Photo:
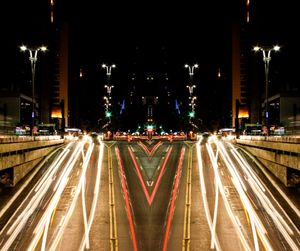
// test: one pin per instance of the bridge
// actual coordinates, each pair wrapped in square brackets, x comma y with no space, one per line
[280,154]
[19,155]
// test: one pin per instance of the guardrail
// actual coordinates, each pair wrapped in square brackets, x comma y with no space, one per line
[19,155]
[279,154]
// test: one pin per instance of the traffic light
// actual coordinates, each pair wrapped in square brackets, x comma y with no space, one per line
[149,128]
[192,114]
[107,114]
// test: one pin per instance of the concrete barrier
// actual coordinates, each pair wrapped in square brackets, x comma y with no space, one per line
[281,155]
[19,155]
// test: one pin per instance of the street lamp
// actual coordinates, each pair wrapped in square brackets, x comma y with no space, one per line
[33,52]
[108,90]
[266,51]
[191,69]
[107,103]
[192,104]
[191,88]
[108,70]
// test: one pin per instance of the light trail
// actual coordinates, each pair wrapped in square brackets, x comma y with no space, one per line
[265,200]
[82,187]
[78,189]
[112,207]
[173,199]
[154,148]
[148,197]
[127,203]
[271,179]
[241,189]
[188,201]
[96,195]
[39,230]
[40,190]
[204,196]
[32,204]
[228,208]
[61,155]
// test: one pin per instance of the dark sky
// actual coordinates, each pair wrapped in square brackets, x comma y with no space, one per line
[183,29]
[128,31]
[164,35]
[154,37]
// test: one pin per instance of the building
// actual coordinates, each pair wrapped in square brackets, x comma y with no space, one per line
[59,43]
[243,109]
[48,27]
[284,111]
[15,110]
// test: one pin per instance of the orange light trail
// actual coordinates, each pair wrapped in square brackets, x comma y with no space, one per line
[150,198]
[127,204]
[172,207]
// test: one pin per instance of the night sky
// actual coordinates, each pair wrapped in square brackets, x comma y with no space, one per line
[154,37]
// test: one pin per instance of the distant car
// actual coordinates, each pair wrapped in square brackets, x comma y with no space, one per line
[46,130]
[205,134]
[94,135]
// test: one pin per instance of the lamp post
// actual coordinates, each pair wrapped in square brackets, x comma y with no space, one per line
[108,87]
[266,52]
[107,104]
[192,104]
[191,87]
[191,70]
[33,52]
[108,70]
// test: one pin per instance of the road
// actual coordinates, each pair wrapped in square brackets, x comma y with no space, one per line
[149,195]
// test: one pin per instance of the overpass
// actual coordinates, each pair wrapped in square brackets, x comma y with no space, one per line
[280,154]
[18,155]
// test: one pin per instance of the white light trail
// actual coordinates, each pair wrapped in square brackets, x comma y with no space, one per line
[265,200]
[204,196]
[241,189]
[28,180]
[225,199]
[64,178]
[30,208]
[96,192]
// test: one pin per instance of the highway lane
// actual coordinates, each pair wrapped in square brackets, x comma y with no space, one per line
[77,233]
[271,227]
[272,208]
[219,204]
[152,171]
[42,219]
[28,221]
[13,196]
[151,195]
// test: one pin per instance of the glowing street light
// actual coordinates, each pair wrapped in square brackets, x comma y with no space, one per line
[191,88]
[108,114]
[33,52]
[191,69]
[266,51]
[107,103]
[108,70]
[192,103]
[192,114]
[108,87]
